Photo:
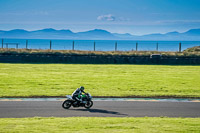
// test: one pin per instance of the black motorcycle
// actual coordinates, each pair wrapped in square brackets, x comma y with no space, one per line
[86,102]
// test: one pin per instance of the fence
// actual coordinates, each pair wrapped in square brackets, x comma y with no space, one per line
[99,45]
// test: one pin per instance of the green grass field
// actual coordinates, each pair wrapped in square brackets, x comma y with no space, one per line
[99,80]
[100,125]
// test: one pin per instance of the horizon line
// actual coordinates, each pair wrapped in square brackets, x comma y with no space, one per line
[96,29]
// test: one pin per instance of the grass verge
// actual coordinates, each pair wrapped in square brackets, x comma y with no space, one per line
[190,52]
[100,124]
[25,80]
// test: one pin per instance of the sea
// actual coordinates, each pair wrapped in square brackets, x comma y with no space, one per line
[98,45]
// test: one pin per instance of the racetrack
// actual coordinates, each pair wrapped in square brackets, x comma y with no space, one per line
[18,109]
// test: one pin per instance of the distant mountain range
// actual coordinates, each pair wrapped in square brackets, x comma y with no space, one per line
[98,34]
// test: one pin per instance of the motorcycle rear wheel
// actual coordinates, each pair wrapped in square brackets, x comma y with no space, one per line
[66,104]
[88,104]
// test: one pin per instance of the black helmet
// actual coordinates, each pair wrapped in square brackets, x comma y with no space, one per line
[82,88]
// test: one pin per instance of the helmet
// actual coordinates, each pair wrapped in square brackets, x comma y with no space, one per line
[82,88]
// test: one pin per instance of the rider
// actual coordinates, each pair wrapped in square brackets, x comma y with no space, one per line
[77,94]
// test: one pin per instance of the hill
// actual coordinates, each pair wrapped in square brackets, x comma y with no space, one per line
[98,34]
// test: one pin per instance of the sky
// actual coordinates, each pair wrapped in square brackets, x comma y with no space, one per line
[137,17]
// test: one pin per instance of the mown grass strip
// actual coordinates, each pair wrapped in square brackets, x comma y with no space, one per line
[100,124]
[100,80]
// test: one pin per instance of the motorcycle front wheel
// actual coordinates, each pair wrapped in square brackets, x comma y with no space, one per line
[66,104]
[88,104]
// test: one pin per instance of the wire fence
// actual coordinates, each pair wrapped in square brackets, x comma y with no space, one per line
[98,45]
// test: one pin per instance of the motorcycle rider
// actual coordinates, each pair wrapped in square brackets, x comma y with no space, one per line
[77,94]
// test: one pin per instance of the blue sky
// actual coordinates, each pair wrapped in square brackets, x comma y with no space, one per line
[137,17]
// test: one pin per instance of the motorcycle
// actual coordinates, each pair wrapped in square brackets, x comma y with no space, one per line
[86,102]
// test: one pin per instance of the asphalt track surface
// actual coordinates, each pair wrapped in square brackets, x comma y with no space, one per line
[19,109]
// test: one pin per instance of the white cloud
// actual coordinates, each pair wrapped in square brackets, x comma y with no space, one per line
[23,13]
[178,21]
[108,17]
[43,13]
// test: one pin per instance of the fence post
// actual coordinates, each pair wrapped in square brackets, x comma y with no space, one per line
[94,46]
[6,45]
[26,44]
[73,45]
[180,47]
[16,45]
[50,44]
[115,46]
[2,44]
[157,47]
[136,46]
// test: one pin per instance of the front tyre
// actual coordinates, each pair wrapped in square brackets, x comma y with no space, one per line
[66,104]
[88,104]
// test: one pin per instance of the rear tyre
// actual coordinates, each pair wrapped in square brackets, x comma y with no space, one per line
[88,104]
[66,104]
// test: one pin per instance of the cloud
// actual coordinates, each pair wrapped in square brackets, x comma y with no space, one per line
[108,17]
[23,13]
[179,21]
[43,13]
